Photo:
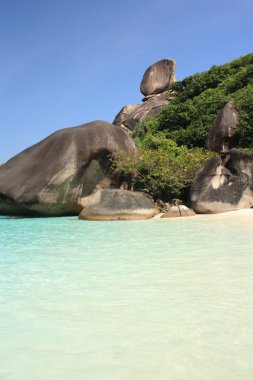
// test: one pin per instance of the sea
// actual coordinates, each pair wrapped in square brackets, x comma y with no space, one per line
[161,299]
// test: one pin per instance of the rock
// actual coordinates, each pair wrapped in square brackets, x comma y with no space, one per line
[157,77]
[221,135]
[132,114]
[158,216]
[114,204]
[220,187]
[177,211]
[49,177]
[154,87]
[123,115]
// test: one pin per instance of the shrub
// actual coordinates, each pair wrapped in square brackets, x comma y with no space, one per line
[160,167]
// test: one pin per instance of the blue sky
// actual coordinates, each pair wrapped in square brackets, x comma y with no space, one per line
[65,63]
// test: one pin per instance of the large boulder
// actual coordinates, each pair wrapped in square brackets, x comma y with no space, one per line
[132,114]
[222,186]
[221,135]
[157,77]
[114,204]
[51,176]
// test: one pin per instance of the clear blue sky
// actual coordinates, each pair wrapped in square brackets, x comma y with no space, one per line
[64,63]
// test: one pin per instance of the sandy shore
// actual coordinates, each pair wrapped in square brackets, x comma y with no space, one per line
[243,212]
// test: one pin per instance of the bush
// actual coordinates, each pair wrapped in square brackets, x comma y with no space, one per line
[160,167]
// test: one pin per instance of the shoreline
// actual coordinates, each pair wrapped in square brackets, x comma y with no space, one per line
[241,212]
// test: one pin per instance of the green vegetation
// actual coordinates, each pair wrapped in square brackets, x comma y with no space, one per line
[188,118]
[172,144]
[160,167]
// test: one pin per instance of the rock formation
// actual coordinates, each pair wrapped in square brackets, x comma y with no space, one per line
[225,183]
[157,77]
[178,211]
[49,177]
[154,86]
[221,135]
[114,204]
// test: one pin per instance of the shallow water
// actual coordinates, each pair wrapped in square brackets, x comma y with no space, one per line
[143,300]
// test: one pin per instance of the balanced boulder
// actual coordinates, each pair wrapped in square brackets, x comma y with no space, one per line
[157,77]
[114,204]
[154,87]
[51,176]
[224,185]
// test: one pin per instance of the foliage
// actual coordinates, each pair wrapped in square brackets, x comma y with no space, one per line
[171,144]
[188,118]
[160,167]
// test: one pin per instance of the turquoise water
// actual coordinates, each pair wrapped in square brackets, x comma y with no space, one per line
[143,300]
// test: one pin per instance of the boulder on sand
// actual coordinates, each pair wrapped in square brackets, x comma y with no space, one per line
[114,204]
[177,211]
[224,185]
[49,177]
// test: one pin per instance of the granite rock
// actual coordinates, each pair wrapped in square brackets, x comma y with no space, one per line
[49,177]
[178,211]
[224,185]
[157,77]
[114,204]
[132,114]
[221,135]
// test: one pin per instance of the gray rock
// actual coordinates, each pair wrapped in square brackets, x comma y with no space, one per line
[222,186]
[132,114]
[220,137]
[157,77]
[121,119]
[49,177]
[177,211]
[114,204]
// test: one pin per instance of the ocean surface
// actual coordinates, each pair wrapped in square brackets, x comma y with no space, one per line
[126,300]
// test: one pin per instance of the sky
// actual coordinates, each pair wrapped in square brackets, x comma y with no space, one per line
[65,63]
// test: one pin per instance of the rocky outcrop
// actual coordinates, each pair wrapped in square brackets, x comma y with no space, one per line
[220,187]
[154,86]
[114,204]
[132,114]
[157,77]
[225,183]
[49,177]
[178,211]
[221,135]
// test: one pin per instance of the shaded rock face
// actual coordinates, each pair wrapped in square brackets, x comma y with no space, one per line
[114,204]
[154,86]
[157,77]
[178,211]
[49,177]
[224,186]
[132,114]
[221,135]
